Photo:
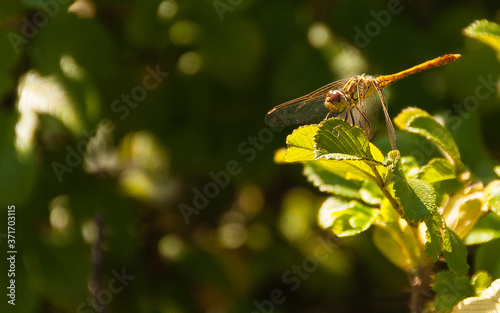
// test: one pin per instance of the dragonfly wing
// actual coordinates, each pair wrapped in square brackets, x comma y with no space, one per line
[308,109]
[390,128]
[305,112]
[365,114]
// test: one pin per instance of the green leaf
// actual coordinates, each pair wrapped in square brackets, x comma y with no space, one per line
[336,137]
[417,121]
[486,32]
[481,281]
[496,169]
[332,181]
[409,164]
[494,204]
[450,290]
[463,209]
[345,218]
[336,140]
[455,253]
[300,144]
[493,193]
[371,193]
[417,198]
[397,243]
[434,243]
[437,169]
[486,258]
[486,229]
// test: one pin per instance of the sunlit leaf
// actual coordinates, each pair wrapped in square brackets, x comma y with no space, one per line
[335,136]
[437,170]
[409,165]
[321,175]
[485,230]
[397,243]
[463,209]
[371,193]
[496,169]
[481,281]
[492,192]
[417,121]
[345,218]
[300,144]
[486,32]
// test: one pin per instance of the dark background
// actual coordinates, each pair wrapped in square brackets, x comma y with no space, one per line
[63,73]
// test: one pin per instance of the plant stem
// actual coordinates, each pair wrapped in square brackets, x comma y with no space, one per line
[420,280]
[383,187]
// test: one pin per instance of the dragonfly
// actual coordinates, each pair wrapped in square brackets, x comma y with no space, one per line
[355,99]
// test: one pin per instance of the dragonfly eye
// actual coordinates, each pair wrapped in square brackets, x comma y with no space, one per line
[333,96]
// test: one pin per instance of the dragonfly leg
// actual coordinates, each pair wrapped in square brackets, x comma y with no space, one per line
[369,127]
[347,115]
[329,115]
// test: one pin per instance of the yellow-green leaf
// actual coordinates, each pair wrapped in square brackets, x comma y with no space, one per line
[346,218]
[417,121]
[486,32]
[300,144]
[437,169]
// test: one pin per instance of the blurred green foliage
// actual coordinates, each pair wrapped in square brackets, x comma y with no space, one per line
[127,109]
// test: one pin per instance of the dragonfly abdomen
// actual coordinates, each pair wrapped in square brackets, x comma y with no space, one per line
[385,80]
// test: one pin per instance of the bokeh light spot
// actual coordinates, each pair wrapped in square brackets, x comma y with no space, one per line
[348,62]
[70,67]
[60,216]
[232,235]
[89,231]
[318,35]
[190,63]
[167,9]
[183,33]
[171,247]
[250,200]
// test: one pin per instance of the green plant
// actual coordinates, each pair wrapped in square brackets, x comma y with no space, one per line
[421,214]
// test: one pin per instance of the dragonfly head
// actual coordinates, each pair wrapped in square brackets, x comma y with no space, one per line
[335,101]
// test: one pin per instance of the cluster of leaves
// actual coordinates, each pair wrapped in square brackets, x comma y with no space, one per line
[421,214]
